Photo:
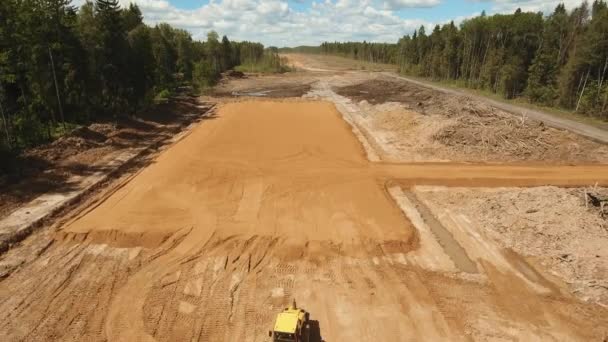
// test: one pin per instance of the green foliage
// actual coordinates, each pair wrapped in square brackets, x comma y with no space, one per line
[487,52]
[60,66]
[204,74]
[62,129]
[301,49]
[583,78]
[561,59]
[270,62]
[163,96]
[368,52]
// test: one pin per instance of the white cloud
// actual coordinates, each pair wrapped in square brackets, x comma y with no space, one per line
[545,6]
[273,22]
[399,4]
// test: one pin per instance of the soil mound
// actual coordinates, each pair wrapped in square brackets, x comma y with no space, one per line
[460,128]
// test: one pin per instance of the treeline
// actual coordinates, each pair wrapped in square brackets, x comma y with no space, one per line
[269,61]
[60,65]
[363,51]
[367,52]
[557,60]
[301,49]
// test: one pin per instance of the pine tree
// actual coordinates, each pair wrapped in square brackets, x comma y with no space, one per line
[165,56]
[8,75]
[544,71]
[226,54]
[112,63]
[132,17]
[141,66]
[185,54]
[592,57]
[59,64]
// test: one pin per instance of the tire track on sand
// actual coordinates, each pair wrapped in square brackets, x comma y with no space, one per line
[126,322]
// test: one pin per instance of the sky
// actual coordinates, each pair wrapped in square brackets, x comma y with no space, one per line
[302,22]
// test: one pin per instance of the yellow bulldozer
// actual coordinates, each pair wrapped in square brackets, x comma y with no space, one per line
[291,325]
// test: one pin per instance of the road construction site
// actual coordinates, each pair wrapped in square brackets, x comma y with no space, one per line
[388,210]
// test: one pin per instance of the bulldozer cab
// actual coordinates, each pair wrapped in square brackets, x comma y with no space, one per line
[284,337]
[290,325]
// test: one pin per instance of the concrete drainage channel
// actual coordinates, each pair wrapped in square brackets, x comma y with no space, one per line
[24,221]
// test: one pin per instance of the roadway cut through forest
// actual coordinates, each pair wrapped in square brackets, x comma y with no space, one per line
[273,200]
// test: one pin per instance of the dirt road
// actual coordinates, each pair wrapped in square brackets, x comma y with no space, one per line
[328,64]
[551,120]
[273,200]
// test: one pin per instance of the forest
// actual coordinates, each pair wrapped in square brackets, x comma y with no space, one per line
[370,52]
[61,65]
[554,60]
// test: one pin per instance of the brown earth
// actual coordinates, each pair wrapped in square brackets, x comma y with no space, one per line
[332,64]
[428,125]
[49,167]
[256,85]
[275,200]
[268,201]
[285,151]
[551,226]
[380,91]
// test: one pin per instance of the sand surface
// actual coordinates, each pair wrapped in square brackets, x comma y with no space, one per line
[268,201]
[291,170]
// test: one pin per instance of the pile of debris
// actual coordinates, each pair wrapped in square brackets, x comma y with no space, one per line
[48,167]
[474,131]
[79,140]
[233,74]
[379,91]
[495,135]
[597,198]
[550,225]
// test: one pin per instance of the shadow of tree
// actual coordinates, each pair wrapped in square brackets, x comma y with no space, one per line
[24,176]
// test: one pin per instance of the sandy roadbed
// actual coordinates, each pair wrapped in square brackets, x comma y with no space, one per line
[274,200]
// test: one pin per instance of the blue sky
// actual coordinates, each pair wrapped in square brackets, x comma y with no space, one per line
[445,11]
[304,22]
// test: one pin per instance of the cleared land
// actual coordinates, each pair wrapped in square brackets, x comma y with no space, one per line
[54,167]
[427,125]
[270,200]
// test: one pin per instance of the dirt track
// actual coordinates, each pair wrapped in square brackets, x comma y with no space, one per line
[272,200]
[595,133]
[269,201]
[261,168]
